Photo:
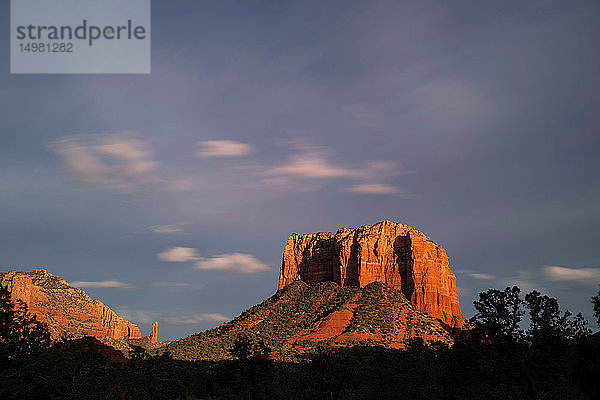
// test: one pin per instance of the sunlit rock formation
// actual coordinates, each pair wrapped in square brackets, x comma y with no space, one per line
[388,252]
[68,311]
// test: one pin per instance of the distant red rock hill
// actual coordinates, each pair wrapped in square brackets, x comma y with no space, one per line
[388,252]
[69,312]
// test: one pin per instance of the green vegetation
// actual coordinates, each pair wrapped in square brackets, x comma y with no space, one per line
[283,315]
[379,312]
[21,335]
[468,370]
[299,306]
[596,303]
[555,358]
[499,314]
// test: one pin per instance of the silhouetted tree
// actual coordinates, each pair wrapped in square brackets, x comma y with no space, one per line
[499,312]
[138,353]
[21,335]
[544,315]
[415,344]
[596,303]
[244,349]
[260,351]
[577,328]
[241,349]
[547,321]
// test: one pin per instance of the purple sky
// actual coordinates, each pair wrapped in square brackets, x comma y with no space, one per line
[170,196]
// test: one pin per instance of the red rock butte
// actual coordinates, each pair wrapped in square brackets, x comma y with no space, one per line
[388,252]
[66,310]
[154,333]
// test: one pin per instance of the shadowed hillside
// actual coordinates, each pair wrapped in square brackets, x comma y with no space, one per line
[301,319]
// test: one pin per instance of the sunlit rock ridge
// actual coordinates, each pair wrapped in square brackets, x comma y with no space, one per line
[388,252]
[68,311]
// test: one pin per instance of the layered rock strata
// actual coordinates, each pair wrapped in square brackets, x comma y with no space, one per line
[388,252]
[69,312]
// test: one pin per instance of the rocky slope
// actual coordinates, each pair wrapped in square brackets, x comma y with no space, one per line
[301,319]
[388,252]
[68,311]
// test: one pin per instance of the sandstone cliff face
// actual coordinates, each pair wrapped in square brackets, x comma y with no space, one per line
[154,333]
[396,254]
[66,310]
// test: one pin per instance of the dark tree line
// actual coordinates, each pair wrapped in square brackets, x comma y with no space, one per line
[21,335]
[553,357]
[500,314]
[244,349]
[596,303]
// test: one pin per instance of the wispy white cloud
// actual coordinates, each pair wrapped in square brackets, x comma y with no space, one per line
[165,228]
[101,284]
[176,286]
[122,160]
[313,163]
[544,279]
[170,284]
[179,254]
[481,276]
[236,262]
[583,275]
[376,171]
[173,317]
[137,316]
[223,148]
[525,280]
[192,319]
[374,188]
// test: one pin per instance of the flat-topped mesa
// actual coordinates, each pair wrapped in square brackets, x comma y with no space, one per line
[396,254]
[68,311]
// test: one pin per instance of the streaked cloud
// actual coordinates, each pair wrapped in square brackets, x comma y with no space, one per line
[165,228]
[101,284]
[313,166]
[524,279]
[584,275]
[192,319]
[481,276]
[236,262]
[179,254]
[176,286]
[170,284]
[223,148]
[374,188]
[173,317]
[137,316]
[122,159]
[313,163]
